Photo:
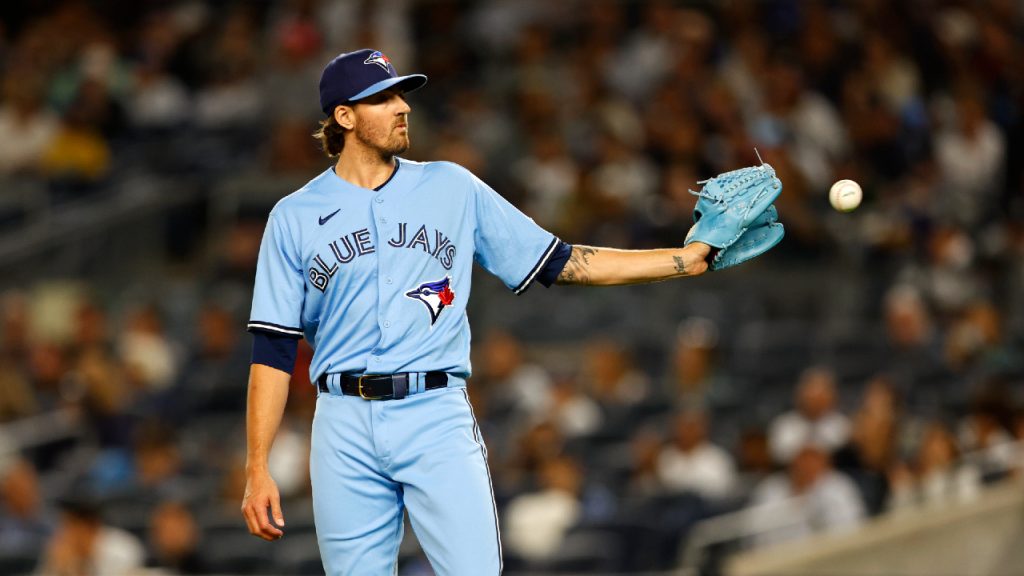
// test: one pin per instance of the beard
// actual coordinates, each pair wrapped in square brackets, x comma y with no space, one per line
[385,142]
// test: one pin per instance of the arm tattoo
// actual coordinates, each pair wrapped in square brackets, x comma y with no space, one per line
[680,265]
[577,269]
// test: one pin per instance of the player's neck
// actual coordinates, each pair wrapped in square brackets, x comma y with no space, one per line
[363,167]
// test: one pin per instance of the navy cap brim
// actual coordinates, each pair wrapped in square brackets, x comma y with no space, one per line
[406,83]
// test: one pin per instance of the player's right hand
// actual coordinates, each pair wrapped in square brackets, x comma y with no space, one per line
[261,495]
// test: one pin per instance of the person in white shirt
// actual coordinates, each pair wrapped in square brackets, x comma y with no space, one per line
[84,546]
[691,463]
[815,420]
[536,522]
[809,498]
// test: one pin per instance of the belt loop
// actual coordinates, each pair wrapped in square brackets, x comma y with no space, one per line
[400,386]
[334,384]
[416,382]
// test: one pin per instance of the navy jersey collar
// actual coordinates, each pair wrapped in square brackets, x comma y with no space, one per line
[398,164]
[332,173]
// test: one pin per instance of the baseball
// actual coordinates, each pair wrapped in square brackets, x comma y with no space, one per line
[845,195]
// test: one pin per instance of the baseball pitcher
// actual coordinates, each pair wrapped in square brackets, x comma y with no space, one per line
[370,262]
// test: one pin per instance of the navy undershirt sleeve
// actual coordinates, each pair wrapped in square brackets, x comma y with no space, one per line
[555,264]
[274,350]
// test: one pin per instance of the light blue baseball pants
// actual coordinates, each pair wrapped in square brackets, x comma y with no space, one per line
[372,459]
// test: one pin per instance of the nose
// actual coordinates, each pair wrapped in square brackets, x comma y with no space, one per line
[403,106]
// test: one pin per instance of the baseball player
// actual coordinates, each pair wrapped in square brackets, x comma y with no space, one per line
[371,263]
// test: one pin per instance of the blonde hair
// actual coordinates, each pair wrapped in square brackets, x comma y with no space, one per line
[331,136]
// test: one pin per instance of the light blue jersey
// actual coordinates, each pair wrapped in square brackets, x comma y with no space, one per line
[378,280]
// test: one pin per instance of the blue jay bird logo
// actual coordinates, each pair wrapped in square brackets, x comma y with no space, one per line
[434,295]
[379,59]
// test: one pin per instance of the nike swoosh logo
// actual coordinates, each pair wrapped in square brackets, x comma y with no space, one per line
[324,219]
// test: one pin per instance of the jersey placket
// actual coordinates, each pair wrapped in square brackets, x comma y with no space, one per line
[379,209]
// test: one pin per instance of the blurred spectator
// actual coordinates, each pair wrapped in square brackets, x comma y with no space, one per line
[218,354]
[645,448]
[647,56]
[697,380]
[149,358]
[610,376]
[174,539]
[974,341]
[535,523]
[99,385]
[984,434]
[816,419]
[292,152]
[803,122]
[159,99]
[84,545]
[158,460]
[871,451]
[691,463]
[26,126]
[18,399]
[231,96]
[807,499]
[753,459]
[26,520]
[295,46]
[574,412]
[970,153]
[912,337]
[537,446]
[511,383]
[78,151]
[935,477]
[549,178]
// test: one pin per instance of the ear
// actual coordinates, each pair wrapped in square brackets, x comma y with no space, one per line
[344,116]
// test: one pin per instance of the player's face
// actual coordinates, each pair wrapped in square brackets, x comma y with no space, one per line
[382,123]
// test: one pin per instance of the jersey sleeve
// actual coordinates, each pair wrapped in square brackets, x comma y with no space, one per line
[509,244]
[279,293]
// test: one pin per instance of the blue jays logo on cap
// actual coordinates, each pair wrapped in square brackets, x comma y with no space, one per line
[379,59]
[436,296]
[356,75]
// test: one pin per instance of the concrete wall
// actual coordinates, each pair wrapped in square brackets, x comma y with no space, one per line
[982,538]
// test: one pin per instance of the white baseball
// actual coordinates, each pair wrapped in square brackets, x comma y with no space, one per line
[845,195]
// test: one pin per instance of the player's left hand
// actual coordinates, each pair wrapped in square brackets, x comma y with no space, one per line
[261,495]
[695,258]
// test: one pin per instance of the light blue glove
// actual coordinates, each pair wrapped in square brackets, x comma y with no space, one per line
[763,234]
[732,203]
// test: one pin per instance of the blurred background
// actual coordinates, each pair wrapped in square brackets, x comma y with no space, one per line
[864,376]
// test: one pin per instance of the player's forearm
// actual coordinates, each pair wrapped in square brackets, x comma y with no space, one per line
[592,266]
[268,394]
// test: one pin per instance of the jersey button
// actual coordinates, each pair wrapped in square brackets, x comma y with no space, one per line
[387,324]
[383,220]
[380,200]
[387,280]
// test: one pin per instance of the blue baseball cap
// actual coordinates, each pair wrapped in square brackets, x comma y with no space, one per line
[355,75]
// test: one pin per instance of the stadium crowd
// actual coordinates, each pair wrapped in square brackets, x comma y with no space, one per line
[596,118]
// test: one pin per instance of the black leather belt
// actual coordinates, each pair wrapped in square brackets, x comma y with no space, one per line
[382,386]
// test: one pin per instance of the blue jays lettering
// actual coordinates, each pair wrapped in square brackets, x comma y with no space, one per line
[359,243]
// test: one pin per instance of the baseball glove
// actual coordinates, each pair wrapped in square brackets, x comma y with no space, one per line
[728,206]
[764,233]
